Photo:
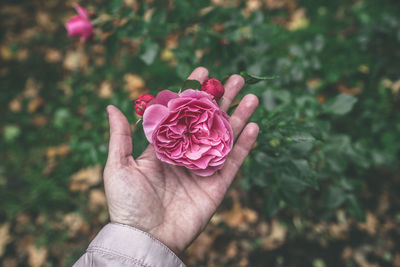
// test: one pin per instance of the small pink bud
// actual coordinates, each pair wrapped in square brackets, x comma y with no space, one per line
[213,87]
[80,25]
[141,103]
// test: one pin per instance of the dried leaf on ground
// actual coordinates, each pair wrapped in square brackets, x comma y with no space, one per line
[226,3]
[106,90]
[276,236]
[201,246]
[39,120]
[75,60]
[275,4]
[134,85]
[345,89]
[298,20]
[74,223]
[172,41]
[36,255]
[32,88]
[338,230]
[60,151]
[52,55]
[232,250]
[371,224]
[5,237]
[238,216]
[15,105]
[97,200]
[85,178]
[34,104]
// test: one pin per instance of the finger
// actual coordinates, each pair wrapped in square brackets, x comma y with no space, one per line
[243,113]
[239,153]
[120,146]
[232,88]
[199,74]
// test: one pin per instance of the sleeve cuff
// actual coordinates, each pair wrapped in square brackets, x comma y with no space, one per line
[134,244]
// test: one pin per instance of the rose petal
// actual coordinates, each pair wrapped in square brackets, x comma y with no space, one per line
[152,117]
[164,97]
[81,11]
[207,172]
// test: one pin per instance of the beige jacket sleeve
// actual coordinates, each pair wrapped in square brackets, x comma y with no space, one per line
[121,245]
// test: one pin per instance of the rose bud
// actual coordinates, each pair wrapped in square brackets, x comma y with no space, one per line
[80,25]
[141,103]
[213,87]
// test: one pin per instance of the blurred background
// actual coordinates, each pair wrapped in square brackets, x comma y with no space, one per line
[321,186]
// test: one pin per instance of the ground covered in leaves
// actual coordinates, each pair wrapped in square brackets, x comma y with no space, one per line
[321,187]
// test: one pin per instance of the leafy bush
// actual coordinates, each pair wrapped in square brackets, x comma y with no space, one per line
[329,121]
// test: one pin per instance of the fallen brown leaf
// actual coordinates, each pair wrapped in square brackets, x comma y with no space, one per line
[106,90]
[34,104]
[60,151]
[97,200]
[134,85]
[15,104]
[275,4]
[36,255]
[52,55]
[371,224]
[344,89]
[5,237]
[85,178]
[347,253]
[172,41]
[5,52]
[314,83]
[226,3]
[39,120]
[232,250]
[201,246]
[75,60]
[32,88]
[74,223]
[298,20]
[338,230]
[276,237]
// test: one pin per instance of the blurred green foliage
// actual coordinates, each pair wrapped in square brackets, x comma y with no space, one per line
[327,123]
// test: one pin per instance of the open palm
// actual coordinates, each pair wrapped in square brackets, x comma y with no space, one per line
[169,202]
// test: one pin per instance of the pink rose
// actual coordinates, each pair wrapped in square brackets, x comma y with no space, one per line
[80,25]
[213,87]
[141,103]
[188,129]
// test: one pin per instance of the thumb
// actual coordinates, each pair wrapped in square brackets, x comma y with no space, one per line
[120,146]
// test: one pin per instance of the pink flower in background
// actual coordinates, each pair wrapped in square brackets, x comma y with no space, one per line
[141,103]
[213,87]
[188,129]
[80,25]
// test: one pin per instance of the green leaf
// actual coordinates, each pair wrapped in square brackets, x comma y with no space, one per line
[336,196]
[272,203]
[355,209]
[251,79]
[302,142]
[11,132]
[115,5]
[150,52]
[191,84]
[340,105]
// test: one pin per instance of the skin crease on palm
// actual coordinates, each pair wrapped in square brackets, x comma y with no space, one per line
[167,201]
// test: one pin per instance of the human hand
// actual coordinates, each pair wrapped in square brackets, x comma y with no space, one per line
[167,201]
